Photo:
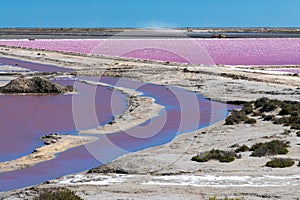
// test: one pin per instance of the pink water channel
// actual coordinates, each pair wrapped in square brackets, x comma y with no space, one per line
[25,118]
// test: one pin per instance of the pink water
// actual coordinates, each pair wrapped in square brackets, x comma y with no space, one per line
[25,118]
[279,51]
[184,112]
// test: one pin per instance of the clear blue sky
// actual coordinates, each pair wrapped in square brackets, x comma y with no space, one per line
[149,13]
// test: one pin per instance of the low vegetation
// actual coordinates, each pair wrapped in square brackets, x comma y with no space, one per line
[226,198]
[274,147]
[280,163]
[216,154]
[286,113]
[243,148]
[57,194]
[238,117]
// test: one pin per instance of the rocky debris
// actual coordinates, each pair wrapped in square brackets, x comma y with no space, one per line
[35,85]
[50,139]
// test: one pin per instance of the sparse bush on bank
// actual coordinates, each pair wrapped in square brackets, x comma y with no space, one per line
[288,110]
[57,194]
[237,117]
[243,148]
[248,108]
[268,107]
[216,154]
[280,163]
[275,147]
[268,117]
[251,121]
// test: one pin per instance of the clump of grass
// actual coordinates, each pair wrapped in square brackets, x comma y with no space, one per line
[298,134]
[289,112]
[248,108]
[261,102]
[275,147]
[57,194]
[251,121]
[281,120]
[216,154]
[290,108]
[286,110]
[293,121]
[270,106]
[236,117]
[268,117]
[243,148]
[280,163]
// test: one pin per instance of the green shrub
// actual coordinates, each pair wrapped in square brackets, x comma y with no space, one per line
[242,149]
[216,154]
[250,121]
[200,158]
[282,120]
[286,109]
[236,117]
[280,163]
[57,194]
[275,147]
[268,107]
[256,113]
[294,122]
[289,110]
[248,108]
[295,113]
[295,126]
[268,117]
[261,102]
[256,146]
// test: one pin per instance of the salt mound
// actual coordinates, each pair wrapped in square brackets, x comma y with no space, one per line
[34,85]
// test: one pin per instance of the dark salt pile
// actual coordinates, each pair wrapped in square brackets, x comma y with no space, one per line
[34,85]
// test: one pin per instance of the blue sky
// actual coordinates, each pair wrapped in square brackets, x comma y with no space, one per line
[149,13]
